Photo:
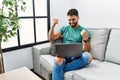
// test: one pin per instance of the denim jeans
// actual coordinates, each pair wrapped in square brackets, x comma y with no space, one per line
[69,63]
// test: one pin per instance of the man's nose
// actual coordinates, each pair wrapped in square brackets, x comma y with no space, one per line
[71,21]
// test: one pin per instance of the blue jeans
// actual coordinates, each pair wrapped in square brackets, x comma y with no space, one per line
[70,63]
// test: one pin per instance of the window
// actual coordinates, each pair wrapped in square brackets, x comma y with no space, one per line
[34,25]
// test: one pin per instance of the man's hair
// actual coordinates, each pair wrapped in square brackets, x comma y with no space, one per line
[72,12]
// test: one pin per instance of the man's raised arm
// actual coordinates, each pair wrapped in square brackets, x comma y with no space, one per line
[52,36]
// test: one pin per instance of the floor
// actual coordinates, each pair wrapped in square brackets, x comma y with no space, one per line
[37,74]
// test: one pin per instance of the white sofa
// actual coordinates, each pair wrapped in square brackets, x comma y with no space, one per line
[105,48]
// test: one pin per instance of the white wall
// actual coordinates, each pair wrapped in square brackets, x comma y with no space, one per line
[99,13]
[18,58]
[58,9]
[93,13]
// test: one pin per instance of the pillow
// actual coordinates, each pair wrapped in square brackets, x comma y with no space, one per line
[98,42]
[113,48]
[52,46]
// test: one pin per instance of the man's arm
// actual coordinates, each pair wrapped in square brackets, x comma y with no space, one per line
[52,36]
[85,41]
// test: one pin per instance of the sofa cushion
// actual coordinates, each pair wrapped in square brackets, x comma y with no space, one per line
[113,49]
[70,75]
[46,66]
[96,71]
[45,50]
[47,62]
[98,41]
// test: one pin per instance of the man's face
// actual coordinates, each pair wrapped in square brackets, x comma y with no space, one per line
[73,20]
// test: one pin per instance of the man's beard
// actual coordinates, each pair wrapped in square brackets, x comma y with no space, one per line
[73,25]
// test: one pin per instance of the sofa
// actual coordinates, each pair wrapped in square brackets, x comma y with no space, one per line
[105,49]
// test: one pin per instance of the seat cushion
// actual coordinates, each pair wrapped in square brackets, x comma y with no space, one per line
[47,62]
[46,66]
[96,71]
[98,42]
[70,75]
[113,48]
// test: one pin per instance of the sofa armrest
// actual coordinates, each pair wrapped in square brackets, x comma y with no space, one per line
[45,51]
[38,50]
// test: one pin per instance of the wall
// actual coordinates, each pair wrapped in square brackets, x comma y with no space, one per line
[99,13]
[93,13]
[58,9]
[18,58]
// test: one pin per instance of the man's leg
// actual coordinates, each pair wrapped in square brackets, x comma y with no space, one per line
[78,63]
[58,73]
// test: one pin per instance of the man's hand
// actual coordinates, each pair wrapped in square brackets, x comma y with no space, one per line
[55,21]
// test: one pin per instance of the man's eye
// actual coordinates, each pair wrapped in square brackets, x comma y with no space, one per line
[73,20]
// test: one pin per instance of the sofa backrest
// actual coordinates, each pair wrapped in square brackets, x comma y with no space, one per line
[113,48]
[98,42]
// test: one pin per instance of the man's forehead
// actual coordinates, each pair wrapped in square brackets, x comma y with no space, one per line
[72,16]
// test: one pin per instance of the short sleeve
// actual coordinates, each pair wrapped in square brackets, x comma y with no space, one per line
[62,29]
[89,35]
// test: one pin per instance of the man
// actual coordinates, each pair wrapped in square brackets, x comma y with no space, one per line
[73,33]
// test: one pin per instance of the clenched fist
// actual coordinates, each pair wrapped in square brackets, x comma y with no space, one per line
[55,21]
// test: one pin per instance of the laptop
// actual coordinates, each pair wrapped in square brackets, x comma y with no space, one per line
[68,50]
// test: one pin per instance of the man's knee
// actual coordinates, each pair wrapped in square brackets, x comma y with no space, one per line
[90,57]
[59,60]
